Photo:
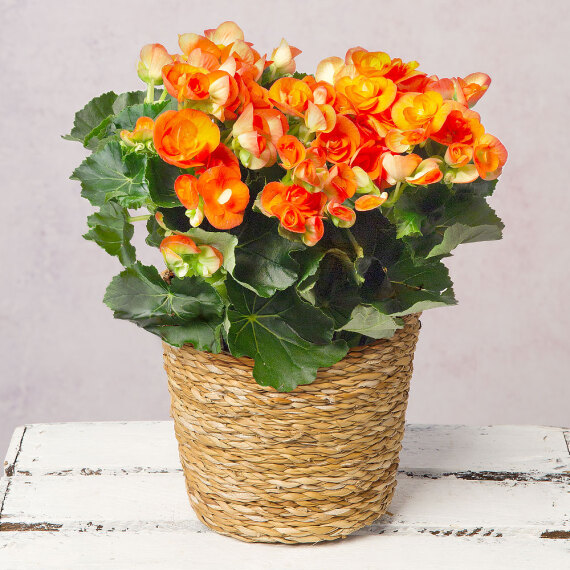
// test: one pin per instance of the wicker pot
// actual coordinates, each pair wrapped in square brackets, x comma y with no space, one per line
[314,464]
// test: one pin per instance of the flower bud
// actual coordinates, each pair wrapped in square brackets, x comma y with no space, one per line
[153,58]
[141,136]
[283,59]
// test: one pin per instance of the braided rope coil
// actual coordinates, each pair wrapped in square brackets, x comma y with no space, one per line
[310,465]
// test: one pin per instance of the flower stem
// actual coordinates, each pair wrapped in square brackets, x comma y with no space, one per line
[139,218]
[149,93]
[356,246]
[162,96]
[395,196]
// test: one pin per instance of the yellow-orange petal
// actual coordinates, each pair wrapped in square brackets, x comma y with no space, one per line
[398,167]
[370,201]
[186,188]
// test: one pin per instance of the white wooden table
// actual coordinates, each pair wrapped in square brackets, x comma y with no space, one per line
[111,495]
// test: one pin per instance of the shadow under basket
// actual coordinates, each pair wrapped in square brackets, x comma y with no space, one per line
[310,465]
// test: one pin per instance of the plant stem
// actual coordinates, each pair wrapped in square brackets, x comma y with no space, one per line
[163,96]
[139,218]
[149,93]
[395,196]
[356,246]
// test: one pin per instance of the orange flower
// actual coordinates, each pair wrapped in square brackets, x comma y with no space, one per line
[427,172]
[291,151]
[341,216]
[458,154]
[225,197]
[474,87]
[399,167]
[373,127]
[320,118]
[185,81]
[368,94]
[341,183]
[222,156]
[489,156]
[314,230]
[185,138]
[466,91]
[401,72]
[141,134]
[323,93]
[403,141]
[419,111]
[340,143]
[369,158]
[371,63]
[293,205]
[256,133]
[225,34]
[461,125]
[189,42]
[291,95]
[186,188]
[370,201]
[153,58]
[308,170]
[223,92]
[183,257]
[330,69]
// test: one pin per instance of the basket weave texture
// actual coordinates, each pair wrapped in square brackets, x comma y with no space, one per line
[310,465]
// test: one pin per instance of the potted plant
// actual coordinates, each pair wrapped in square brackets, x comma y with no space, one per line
[303,220]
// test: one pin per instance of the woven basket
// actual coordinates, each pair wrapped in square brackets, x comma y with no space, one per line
[314,464]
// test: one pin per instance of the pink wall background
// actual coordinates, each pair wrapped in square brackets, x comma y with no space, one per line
[501,356]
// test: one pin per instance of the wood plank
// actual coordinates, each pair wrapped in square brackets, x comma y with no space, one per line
[525,452]
[181,551]
[532,450]
[85,448]
[445,505]
[14,449]
[4,484]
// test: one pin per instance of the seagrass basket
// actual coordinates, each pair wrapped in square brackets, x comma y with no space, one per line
[310,465]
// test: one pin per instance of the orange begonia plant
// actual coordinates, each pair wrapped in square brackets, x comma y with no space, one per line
[268,191]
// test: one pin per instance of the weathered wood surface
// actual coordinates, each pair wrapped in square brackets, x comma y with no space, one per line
[111,495]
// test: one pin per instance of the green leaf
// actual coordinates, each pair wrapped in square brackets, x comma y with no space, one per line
[369,321]
[160,177]
[224,242]
[466,221]
[377,238]
[127,118]
[127,99]
[408,223]
[309,260]
[438,208]
[111,229]
[336,291]
[479,187]
[185,311]
[275,331]
[411,288]
[155,233]
[107,175]
[263,257]
[90,120]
